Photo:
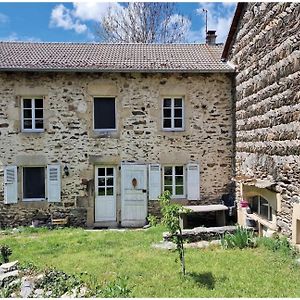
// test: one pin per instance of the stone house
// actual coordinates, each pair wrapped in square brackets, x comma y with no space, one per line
[97,132]
[264,45]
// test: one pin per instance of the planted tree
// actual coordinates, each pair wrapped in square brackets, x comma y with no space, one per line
[170,218]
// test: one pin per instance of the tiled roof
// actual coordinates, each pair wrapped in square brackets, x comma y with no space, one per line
[93,57]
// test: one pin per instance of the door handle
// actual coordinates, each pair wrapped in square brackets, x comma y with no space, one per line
[144,191]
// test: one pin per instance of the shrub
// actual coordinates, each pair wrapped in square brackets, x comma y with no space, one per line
[5,253]
[278,244]
[242,238]
[58,283]
[153,220]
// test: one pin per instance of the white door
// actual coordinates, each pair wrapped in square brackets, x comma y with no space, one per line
[133,195]
[105,194]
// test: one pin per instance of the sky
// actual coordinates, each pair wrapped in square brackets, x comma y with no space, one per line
[76,21]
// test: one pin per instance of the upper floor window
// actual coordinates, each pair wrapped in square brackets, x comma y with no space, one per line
[173,112]
[174,179]
[261,206]
[32,114]
[104,113]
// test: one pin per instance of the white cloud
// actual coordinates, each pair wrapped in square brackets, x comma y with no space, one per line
[13,37]
[92,11]
[219,18]
[64,18]
[3,18]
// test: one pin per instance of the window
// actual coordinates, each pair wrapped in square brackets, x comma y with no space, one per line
[32,114]
[174,178]
[173,114]
[105,177]
[261,206]
[104,113]
[33,183]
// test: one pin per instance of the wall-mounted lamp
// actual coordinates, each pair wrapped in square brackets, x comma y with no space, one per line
[66,170]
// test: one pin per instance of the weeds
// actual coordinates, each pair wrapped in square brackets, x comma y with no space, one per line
[242,238]
[278,244]
[5,251]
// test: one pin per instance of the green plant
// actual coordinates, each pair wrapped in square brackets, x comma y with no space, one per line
[242,238]
[116,289]
[153,220]
[59,283]
[170,218]
[5,253]
[278,244]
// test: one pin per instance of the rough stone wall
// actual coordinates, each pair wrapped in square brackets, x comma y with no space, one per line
[69,138]
[266,52]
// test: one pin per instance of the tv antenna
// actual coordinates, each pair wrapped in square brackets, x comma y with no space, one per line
[205,11]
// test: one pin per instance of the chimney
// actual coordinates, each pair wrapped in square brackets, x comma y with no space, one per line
[211,37]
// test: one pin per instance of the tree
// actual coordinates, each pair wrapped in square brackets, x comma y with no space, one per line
[170,218]
[142,22]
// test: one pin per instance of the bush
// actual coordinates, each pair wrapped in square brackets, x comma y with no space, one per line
[58,283]
[153,220]
[278,244]
[242,238]
[5,253]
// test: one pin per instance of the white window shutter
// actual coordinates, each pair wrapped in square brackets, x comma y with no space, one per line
[53,183]
[154,181]
[193,182]
[10,185]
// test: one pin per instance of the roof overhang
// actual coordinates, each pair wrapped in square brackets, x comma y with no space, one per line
[233,28]
[114,70]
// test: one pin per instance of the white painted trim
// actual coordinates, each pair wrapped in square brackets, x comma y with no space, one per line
[173,196]
[33,129]
[173,128]
[102,130]
[22,184]
[114,176]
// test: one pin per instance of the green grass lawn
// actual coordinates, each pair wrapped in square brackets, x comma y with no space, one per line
[154,273]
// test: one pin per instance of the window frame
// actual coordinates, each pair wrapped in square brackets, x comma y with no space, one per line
[269,217]
[22,184]
[173,128]
[105,129]
[105,177]
[33,119]
[173,195]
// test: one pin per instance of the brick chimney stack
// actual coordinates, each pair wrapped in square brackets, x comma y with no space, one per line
[211,37]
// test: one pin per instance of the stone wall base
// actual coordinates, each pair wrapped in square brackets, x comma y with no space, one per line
[12,217]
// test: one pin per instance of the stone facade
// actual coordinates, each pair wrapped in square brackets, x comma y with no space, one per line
[266,52]
[69,138]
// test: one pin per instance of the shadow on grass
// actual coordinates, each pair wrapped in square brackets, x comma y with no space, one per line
[206,280]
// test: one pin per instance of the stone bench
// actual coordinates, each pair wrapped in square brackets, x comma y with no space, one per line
[196,209]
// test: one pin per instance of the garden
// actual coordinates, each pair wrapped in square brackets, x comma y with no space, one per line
[122,263]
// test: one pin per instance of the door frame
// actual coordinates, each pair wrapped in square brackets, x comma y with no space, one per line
[137,223]
[114,192]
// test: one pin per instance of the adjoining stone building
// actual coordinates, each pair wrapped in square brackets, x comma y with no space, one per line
[264,45]
[96,132]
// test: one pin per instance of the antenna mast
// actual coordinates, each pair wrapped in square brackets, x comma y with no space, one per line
[205,11]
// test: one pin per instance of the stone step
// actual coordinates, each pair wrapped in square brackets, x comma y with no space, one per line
[7,278]
[8,267]
[202,233]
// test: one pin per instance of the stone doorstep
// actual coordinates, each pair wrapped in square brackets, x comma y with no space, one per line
[8,277]
[10,266]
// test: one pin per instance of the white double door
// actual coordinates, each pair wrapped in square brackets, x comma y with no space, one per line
[133,194]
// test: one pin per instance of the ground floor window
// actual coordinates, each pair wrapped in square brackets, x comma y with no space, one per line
[174,180]
[261,206]
[105,178]
[33,183]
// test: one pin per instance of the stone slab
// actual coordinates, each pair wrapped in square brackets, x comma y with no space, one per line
[206,208]
[10,266]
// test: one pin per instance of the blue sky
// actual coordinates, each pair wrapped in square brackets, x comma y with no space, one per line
[75,22]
